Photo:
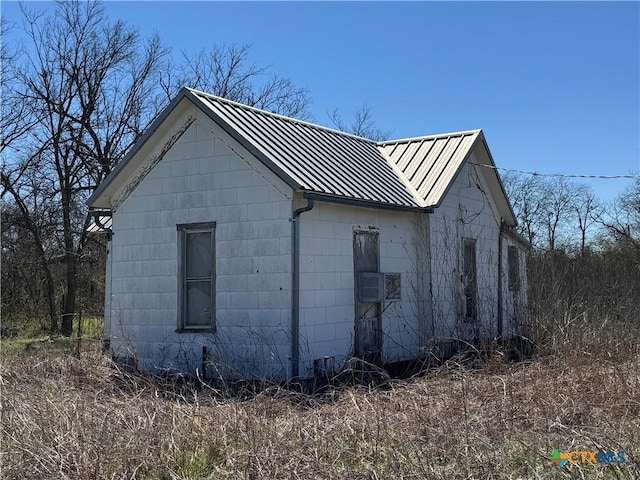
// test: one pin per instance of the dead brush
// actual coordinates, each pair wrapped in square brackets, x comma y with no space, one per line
[64,418]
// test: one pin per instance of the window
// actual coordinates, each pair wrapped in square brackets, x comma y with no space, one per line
[196,284]
[514,269]
[469,280]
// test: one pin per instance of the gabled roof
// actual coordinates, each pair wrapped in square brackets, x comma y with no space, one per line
[309,157]
[408,174]
[430,163]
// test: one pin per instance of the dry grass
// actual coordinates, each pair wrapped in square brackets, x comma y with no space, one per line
[64,418]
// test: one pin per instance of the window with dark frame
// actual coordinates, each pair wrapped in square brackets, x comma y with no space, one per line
[196,266]
[470,280]
[514,268]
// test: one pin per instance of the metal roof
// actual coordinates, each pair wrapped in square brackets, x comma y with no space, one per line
[326,164]
[312,158]
[431,163]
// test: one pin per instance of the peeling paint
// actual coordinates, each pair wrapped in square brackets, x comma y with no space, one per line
[151,162]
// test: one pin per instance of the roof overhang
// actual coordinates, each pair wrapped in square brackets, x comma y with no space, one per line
[323,197]
[488,169]
[516,237]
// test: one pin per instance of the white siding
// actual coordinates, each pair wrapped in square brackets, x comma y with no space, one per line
[466,212]
[205,177]
[327,294]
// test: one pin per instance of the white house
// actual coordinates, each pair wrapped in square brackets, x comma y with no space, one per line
[249,244]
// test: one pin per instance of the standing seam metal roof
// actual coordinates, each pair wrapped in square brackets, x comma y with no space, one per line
[431,163]
[411,174]
[318,159]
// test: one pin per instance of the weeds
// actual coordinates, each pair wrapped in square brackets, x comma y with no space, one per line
[69,418]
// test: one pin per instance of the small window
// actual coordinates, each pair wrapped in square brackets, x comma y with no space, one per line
[514,269]
[196,266]
[470,280]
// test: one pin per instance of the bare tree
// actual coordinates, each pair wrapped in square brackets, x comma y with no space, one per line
[528,196]
[87,85]
[25,233]
[623,221]
[15,117]
[361,124]
[588,210]
[225,71]
[74,106]
[551,210]
[561,196]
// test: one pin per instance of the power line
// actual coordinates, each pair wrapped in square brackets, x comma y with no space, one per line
[564,175]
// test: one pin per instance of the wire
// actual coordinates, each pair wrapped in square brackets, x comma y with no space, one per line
[565,175]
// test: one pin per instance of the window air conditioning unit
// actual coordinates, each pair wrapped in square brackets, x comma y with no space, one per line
[378,287]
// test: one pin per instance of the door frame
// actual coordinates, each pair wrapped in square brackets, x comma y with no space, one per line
[374,335]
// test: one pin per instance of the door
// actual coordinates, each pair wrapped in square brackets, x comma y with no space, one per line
[368,324]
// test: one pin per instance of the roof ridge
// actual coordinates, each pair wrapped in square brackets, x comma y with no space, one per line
[427,137]
[280,116]
[403,178]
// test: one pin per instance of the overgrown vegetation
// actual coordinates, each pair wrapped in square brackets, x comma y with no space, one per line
[69,413]
[70,418]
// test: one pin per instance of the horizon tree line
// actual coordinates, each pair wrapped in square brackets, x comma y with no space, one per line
[84,93]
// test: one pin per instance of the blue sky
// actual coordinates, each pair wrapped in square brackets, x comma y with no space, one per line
[555,86]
